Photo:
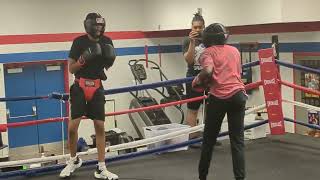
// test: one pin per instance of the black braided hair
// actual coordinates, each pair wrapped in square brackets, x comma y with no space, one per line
[214,34]
[197,17]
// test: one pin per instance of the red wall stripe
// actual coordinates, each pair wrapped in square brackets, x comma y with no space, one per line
[276,28]
[299,54]
[168,33]
[126,35]
[66,37]
[246,29]
[22,64]
[63,37]
[37,38]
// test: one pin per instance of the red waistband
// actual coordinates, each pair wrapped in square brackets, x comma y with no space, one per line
[78,79]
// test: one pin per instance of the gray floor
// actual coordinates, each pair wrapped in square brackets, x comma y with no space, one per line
[289,157]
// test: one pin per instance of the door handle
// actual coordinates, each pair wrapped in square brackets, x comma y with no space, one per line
[34,113]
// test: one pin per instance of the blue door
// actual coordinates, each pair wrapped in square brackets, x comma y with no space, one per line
[35,80]
[21,84]
[46,82]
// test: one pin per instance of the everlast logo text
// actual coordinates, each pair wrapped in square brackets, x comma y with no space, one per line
[270,81]
[276,124]
[265,60]
[273,103]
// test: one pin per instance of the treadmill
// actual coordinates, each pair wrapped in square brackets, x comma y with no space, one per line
[155,116]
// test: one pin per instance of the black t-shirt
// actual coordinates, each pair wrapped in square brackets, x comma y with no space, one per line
[94,69]
[195,68]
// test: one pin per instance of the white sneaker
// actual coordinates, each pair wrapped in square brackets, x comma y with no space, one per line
[104,174]
[71,167]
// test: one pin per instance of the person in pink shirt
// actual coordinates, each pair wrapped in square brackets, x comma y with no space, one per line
[221,73]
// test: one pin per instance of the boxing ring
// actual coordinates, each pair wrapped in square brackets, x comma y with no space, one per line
[285,156]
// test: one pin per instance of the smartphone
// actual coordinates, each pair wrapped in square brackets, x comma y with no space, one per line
[199,35]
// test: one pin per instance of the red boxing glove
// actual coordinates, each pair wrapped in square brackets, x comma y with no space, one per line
[202,81]
[197,86]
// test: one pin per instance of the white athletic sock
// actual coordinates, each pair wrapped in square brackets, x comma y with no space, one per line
[102,165]
[73,159]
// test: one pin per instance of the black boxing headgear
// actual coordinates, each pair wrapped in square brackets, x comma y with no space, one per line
[214,34]
[91,24]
